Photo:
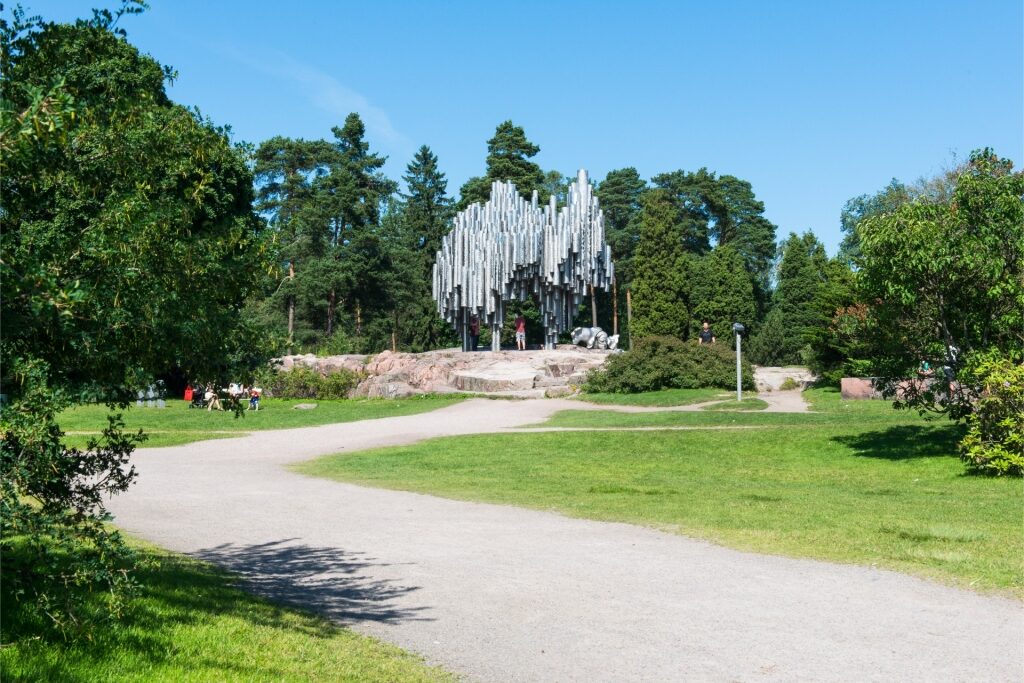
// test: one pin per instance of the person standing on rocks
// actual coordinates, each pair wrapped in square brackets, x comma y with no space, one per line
[474,332]
[520,332]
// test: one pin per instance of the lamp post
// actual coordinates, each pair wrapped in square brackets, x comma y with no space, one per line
[737,329]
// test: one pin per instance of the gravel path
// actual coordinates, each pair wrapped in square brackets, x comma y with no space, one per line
[499,593]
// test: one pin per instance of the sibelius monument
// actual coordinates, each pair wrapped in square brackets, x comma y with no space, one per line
[508,248]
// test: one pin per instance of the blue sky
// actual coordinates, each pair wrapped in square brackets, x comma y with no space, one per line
[812,102]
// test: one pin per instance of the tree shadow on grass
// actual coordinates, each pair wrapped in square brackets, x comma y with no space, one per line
[328,581]
[177,593]
[904,442]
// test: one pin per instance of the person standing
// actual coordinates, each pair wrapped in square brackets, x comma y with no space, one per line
[520,332]
[474,332]
[706,336]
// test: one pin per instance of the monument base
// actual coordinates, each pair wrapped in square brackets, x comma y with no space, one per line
[531,373]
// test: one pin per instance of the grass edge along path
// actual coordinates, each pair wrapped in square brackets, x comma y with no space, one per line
[663,398]
[178,424]
[859,484]
[189,622]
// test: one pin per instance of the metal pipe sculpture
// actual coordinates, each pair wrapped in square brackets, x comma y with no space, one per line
[508,248]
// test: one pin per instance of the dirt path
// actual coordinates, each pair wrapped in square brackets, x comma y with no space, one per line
[500,593]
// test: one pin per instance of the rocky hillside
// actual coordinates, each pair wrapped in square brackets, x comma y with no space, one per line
[506,373]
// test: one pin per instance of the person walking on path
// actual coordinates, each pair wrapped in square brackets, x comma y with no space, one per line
[706,336]
[520,332]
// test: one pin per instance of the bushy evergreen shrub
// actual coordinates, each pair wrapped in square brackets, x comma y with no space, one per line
[665,363]
[304,382]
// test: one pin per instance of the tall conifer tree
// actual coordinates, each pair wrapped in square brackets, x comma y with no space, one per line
[660,299]
[508,159]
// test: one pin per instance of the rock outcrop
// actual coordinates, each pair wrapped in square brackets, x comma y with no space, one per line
[555,372]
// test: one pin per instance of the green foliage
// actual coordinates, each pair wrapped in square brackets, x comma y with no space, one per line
[508,159]
[768,343]
[798,296]
[789,384]
[190,621]
[661,302]
[325,201]
[994,443]
[304,382]
[886,200]
[723,293]
[835,342]
[722,209]
[619,194]
[944,283]
[655,363]
[127,245]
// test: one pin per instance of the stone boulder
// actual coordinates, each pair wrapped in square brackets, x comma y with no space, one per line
[394,375]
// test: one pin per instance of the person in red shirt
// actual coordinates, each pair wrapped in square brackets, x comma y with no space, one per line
[520,332]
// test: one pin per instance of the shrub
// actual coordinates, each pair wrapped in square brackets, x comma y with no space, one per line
[305,382]
[995,436]
[666,362]
[789,384]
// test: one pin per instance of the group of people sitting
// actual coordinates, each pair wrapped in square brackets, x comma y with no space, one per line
[209,397]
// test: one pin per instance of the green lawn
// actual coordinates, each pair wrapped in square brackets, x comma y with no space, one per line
[856,482]
[177,423]
[666,397]
[188,623]
[745,404]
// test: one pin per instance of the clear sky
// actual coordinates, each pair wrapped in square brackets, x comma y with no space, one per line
[812,102]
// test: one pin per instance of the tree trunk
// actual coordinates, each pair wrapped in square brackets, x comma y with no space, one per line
[291,307]
[394,335]
[593,307]
[629,314]
[331,302]
[615,306]
[359,320]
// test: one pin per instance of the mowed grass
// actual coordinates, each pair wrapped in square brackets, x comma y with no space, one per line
[732,404]
[857,483]
[664,398]
[189,623]
[178,424]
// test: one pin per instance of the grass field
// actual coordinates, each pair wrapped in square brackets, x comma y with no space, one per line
[177,423]
[666,397]
[188,623]
[856,482]
[732,404]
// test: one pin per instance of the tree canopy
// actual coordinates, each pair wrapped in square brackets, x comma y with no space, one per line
[128,243]
[508,158]
[944,281]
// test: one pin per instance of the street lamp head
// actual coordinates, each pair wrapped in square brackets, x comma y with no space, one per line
[738,328]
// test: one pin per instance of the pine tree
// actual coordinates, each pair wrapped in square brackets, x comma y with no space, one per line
[427,206]
[414,231]
[721,211]
[508,159]
[802,274]
[620,194]
[284,172]
[660,299]
[352,196]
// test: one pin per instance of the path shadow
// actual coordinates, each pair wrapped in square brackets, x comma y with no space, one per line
[904,442]
[328,581]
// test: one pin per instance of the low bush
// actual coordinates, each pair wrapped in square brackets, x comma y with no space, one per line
[656,363]
[789,384]
[995,430]
[304,382]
